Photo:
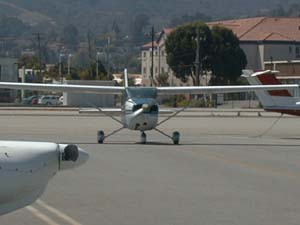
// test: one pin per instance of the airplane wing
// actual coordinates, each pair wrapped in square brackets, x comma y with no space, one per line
[221,89]
[63,87]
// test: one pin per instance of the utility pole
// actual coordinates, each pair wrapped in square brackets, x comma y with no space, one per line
[69,64]
[89,44]
[97,65]
[108,56]
[197,60]
[152,56]
[60,67]
[38,36]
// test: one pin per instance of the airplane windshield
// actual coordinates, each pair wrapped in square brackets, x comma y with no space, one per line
[141,92]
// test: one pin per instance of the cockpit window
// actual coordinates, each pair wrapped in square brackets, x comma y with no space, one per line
[137,92]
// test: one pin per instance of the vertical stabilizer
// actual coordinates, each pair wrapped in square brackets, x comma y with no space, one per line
[267,98]
[125,78]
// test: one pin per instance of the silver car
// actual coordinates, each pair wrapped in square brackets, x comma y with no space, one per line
[49,100]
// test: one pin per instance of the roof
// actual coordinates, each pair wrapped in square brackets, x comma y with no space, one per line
[149,45]
[264,28]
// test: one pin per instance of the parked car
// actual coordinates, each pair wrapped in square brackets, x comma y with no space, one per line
[31,100]
[49,100]
[61,100]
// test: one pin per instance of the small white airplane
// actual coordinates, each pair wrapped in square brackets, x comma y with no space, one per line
[140,109]
[26,168]
[282,101]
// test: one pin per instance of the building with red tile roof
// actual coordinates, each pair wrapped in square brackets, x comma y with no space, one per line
[263,39]
[264,28]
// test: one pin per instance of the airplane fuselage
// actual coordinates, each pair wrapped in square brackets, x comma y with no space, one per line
[27,167]
[140,110]
[140,114]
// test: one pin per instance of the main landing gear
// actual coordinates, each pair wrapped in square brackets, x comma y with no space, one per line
[100,136]
[175,136]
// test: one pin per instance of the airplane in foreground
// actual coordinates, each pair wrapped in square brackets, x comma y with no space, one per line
[140,109]
[281,101]
[27,167]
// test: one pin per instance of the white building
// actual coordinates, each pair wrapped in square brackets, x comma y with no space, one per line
[262,39]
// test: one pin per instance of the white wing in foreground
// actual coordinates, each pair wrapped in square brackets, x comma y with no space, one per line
[63,88]
[222,89]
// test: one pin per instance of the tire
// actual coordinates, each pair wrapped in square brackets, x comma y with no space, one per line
[100,136]
[176,137]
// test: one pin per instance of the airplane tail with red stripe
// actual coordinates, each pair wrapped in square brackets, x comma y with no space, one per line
[281,101]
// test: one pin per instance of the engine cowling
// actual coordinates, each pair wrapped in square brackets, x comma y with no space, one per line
[71,156]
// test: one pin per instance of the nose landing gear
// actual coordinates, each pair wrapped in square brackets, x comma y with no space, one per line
[143,138]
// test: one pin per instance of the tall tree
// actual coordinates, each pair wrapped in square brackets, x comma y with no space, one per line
[228,59]
[181,47]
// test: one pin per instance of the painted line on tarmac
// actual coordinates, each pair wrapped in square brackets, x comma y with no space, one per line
[58,213]
[41,216]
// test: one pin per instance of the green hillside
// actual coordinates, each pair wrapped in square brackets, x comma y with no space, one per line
[98,14]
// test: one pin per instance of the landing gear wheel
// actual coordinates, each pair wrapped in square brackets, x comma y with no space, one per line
[175,137]
[100,136]
[143,138]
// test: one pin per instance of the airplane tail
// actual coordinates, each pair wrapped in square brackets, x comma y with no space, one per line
[125,78]
[270,100]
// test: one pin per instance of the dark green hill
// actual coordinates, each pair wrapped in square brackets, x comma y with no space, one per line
[98,14]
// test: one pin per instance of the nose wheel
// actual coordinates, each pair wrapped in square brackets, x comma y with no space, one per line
[143,138]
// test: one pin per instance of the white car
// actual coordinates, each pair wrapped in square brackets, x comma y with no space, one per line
[49,100]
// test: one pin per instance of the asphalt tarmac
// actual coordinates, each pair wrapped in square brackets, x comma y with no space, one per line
[227,170]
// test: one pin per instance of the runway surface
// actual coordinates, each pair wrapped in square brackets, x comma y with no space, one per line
[227,170]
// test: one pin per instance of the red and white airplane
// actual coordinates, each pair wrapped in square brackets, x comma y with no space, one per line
[284,101]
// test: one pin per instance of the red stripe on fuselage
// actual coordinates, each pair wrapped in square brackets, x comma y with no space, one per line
[269,79]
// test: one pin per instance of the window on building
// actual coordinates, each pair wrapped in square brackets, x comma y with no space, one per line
[298,51]
[290,49]
[144,71]
[144,54]
[0,72]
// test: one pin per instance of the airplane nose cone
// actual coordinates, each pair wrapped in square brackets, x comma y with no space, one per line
[71,156]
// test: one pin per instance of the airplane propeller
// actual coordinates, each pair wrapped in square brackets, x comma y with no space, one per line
[144,109]
[71,153]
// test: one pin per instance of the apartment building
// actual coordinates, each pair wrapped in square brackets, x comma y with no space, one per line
[263,39]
